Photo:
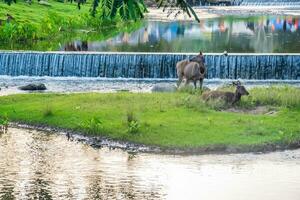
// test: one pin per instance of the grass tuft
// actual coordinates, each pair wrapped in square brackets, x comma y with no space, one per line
[92,126]
[48,112]
[132,123]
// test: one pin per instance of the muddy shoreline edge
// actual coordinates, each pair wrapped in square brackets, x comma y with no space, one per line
[131,147]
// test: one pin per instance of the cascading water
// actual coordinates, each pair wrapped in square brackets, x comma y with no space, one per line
[246,2]
[146,65]
[267,2]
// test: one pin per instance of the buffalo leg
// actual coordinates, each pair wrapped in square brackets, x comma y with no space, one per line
[195,84]
[201,83]
[180,78]
[187,82]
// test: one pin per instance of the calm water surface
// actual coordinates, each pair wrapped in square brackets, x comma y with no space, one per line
[255,34]
[47,166]
[260,34]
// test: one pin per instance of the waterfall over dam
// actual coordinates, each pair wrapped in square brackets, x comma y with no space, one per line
[246,2]
[267,2]
[147,65]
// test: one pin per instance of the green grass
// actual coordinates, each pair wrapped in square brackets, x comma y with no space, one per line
[162,119]
[41,27]
[36,13]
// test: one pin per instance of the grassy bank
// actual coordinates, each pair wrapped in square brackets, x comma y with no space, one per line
[164,119]
[56,23]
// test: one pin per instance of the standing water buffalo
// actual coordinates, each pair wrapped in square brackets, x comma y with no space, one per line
[192,70]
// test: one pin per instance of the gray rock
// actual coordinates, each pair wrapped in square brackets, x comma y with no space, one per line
[32,87]
[163,88]
[44,3]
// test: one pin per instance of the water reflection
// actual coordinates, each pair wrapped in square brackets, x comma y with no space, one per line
[256,34]
[46,166]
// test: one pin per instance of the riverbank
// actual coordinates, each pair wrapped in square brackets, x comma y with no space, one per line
[208,12]
[170,121]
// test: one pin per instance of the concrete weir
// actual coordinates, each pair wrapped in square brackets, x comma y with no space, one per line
[146,65]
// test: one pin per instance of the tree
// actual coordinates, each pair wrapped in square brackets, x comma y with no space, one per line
[135,9]
[132,9]
[9,2]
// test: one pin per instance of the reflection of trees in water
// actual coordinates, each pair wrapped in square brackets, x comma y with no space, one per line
[7,192]
[41,166]
[123,186]
[76,46]
[212,35]
[263,41]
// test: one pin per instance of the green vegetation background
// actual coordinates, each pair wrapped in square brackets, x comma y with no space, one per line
[59,22]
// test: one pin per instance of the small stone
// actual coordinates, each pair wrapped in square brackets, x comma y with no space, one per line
[163,88]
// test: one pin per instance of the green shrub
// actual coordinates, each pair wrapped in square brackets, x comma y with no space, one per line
[92,126]
[133,125]
[18,31]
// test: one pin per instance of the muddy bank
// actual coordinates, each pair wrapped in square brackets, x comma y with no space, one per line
[101,141]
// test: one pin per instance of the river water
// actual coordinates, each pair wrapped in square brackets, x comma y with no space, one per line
[255,34]
[43,165]
[10,85]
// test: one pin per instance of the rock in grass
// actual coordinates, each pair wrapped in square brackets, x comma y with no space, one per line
[163,88]
[32,87]
[45,3]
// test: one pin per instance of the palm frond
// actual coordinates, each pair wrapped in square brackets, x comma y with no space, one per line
[170,5]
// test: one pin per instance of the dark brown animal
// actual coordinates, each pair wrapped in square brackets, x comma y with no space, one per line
[228,97]
[194,72]
[191,71]
[180,70]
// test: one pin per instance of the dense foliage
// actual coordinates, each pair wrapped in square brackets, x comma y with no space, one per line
[131,9]
[56,22]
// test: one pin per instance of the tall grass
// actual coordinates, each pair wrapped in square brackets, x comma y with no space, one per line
[92,126]
[48,111]
[283,96]
[35,22]
[132,123]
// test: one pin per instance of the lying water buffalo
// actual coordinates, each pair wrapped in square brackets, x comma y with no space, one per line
[193,70]
[228,97]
